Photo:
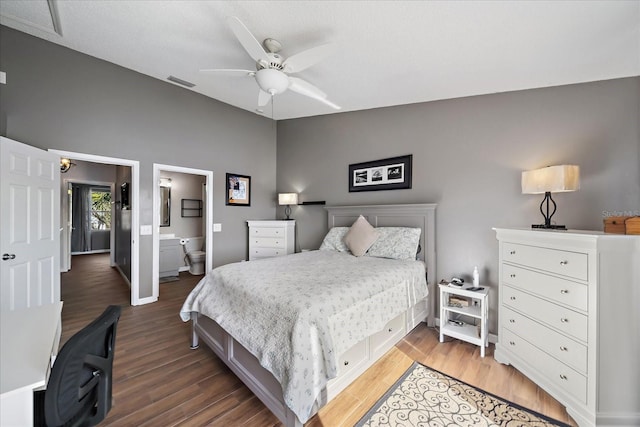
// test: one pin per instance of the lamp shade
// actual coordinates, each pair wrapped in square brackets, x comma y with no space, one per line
[288,198]
[552,179]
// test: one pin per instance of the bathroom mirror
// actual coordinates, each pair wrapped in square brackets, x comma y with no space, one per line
[165,202]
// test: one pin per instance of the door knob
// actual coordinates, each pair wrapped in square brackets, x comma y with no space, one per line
[8,256]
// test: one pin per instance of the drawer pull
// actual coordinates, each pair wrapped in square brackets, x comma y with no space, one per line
[564,320]
[512,252]
[564,291]
[512,343]
[346,362]
[512,275]
[563,377]
[512,298]
[563,348]
[512,321]
[564,262]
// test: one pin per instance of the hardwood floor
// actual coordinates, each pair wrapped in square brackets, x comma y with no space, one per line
[159,381]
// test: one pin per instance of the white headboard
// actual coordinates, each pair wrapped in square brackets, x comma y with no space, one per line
[413,215]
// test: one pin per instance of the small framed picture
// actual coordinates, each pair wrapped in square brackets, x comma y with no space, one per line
[238,190]
[386,174]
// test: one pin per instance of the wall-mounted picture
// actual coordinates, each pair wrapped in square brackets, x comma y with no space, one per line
[124,196]
[238,190]
[386,174]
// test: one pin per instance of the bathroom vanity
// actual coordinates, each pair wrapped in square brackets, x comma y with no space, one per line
[170,256]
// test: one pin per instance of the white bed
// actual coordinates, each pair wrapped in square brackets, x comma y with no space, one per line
[296,332]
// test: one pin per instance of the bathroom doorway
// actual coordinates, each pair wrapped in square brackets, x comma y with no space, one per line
[182,220]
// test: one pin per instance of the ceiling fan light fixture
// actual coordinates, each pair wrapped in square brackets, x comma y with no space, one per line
[272,81]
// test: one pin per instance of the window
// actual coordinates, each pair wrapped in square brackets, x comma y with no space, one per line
[100,209]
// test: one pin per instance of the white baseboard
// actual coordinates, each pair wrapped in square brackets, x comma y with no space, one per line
[124,276]
[97,251]
[147,300]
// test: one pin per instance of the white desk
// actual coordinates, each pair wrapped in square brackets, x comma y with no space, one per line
[28,339]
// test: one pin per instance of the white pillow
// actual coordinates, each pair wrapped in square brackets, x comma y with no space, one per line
[333,240]
[360,236]
[396,243]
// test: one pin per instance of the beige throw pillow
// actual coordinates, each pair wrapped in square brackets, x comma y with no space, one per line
[360,236]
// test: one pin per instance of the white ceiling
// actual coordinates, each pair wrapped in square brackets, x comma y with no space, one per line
[389,52]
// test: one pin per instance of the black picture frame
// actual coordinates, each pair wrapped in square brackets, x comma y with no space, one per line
[238,190]
[124,196]
[393,173]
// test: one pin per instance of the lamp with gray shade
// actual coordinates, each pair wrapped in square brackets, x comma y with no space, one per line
[552,179]
[287,199]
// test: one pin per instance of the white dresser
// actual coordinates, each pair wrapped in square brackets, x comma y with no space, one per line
[271,238]
[569,319]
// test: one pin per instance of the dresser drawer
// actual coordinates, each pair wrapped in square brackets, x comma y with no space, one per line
[392,331]
[266,232]
[561,318]
[566,263]
[268,242]
[557,345]
[353,357]
[561,290]
[256,253]
[555,371]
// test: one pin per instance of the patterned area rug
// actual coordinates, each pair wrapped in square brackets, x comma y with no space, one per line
[425,397]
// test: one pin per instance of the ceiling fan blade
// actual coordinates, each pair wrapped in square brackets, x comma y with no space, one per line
[248,41]
[263,98]
[330,104]
[233,73]
[307,89]
[307,58]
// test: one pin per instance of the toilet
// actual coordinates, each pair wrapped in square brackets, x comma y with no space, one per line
[196,262]
[195,258]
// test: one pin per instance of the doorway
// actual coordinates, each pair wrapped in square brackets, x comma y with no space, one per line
[132,212]
[159,203]
[87,214]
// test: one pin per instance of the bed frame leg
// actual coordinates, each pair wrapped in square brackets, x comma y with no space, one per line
[194,335]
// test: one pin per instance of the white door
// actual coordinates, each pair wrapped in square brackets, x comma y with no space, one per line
[29,226]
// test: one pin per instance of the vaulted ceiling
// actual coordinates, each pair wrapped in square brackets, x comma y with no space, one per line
[386,52]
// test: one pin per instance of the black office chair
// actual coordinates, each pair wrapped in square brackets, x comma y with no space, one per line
[78,392]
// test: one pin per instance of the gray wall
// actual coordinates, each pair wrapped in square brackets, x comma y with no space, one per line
[468,155]
[122,226]
[61,99]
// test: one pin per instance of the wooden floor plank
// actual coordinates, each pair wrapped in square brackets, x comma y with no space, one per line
[159,381]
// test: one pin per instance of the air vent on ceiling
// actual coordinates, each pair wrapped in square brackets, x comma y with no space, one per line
[180,81]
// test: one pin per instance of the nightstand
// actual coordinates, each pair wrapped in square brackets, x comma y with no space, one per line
[271,238]
[475,307]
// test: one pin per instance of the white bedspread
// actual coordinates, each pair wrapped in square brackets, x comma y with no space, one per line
[299,312]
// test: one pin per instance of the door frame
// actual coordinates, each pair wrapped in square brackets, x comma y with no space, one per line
[157,169]
[135,213]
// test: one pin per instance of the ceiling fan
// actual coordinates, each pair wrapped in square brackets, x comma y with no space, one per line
[272,70]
